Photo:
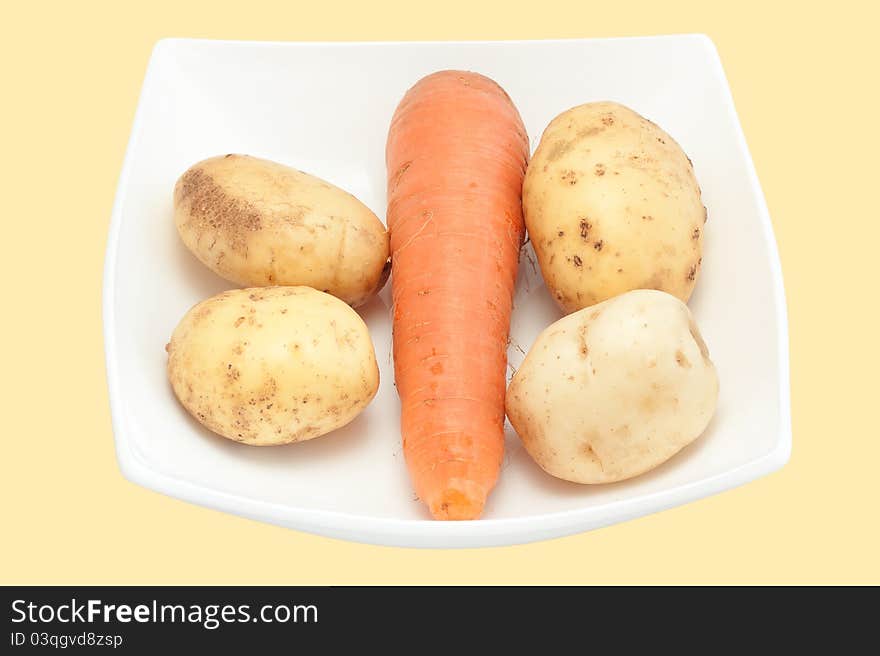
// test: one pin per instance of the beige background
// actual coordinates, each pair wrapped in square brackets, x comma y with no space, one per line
[806,88]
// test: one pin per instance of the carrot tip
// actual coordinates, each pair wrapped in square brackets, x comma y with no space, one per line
[460,500]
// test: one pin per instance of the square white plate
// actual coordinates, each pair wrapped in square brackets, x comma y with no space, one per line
[325,108]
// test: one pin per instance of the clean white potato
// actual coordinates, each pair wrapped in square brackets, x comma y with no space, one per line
[611,391]
[272,365]
[611,205]
[259,223]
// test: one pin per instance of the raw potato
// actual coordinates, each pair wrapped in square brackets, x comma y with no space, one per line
[614,390]
[611,205]
[258,223]
[272,365]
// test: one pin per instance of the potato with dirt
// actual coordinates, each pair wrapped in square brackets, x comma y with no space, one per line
[260,223]
[272,365]
[614,390]
[611,204]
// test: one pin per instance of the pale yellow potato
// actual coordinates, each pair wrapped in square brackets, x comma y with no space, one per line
[611,205]
[611,391]
[259,223]
[272,365]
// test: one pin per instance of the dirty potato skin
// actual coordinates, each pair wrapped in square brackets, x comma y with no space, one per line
[611,204]
[259,223]
[272,365]
[611,391]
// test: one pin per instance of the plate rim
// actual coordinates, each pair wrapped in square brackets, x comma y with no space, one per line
[424,532]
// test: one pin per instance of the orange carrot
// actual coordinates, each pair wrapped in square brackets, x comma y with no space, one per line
[456,155]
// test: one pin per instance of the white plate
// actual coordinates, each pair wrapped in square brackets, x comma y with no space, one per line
[325,108]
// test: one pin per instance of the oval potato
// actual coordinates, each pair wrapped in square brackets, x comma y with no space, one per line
[611,205]
[259,223]
[272,365]
[611,391]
